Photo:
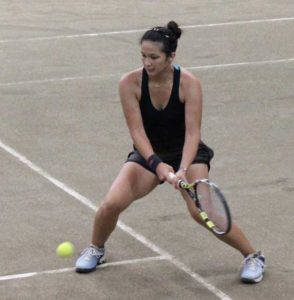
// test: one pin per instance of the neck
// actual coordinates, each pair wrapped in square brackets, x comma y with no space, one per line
[162,78]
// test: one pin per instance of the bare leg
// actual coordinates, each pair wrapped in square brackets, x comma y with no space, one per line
[235,238]
[133,182]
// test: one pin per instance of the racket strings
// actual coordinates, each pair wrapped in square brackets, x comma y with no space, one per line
[210,201]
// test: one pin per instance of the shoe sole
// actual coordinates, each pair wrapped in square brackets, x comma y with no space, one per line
[102,261]
[253,280]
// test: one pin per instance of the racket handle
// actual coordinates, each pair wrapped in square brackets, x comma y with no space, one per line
[181,183]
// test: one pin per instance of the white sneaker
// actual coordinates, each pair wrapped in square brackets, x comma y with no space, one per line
[91,257]
[253,268]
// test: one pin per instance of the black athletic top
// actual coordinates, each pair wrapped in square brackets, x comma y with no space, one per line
[164,128]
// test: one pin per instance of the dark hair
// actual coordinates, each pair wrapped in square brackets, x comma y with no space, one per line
[168,35]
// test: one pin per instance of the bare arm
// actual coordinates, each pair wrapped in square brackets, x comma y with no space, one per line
[132,113]
[193,113]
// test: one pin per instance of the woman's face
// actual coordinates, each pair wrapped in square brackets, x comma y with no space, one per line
[153,58]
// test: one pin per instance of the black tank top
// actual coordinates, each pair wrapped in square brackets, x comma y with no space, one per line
[164,128]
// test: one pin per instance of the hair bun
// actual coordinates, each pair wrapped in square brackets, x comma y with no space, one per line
[174,28]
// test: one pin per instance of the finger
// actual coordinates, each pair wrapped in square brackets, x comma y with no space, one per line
[172,176]
[174,180]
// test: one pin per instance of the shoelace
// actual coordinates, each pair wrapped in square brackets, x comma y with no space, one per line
[91,251]
[252,261]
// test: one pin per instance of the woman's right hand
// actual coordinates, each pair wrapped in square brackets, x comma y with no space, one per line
[163,171]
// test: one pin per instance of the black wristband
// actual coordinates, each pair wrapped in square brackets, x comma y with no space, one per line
[153,161]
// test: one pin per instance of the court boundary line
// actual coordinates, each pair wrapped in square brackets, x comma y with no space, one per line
[212,66]
[108,33]
[64,270]
[139,237]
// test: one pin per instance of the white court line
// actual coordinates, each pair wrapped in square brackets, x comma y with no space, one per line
[175,261]
[245,63]
[64,270]
[97,34]
[59,79]
[237,64]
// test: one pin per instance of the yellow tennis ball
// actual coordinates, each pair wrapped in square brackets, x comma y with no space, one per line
[65,249]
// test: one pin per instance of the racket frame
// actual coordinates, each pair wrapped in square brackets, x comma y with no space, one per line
[191,189]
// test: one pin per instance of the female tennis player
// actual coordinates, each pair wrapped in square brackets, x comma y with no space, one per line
[162,104]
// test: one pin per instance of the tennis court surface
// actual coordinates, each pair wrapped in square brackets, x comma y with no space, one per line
[63,139]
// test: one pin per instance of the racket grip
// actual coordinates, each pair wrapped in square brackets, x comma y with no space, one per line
[181,183]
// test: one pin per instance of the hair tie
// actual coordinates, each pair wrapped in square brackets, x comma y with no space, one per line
[161,32]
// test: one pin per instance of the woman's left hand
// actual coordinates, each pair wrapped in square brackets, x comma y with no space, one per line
[179,175]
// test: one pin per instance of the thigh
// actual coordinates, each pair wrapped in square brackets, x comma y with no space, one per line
[133,182]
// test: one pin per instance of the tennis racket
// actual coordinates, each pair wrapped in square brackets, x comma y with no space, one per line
[211,204]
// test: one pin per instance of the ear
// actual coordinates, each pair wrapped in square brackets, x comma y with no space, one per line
[172,56]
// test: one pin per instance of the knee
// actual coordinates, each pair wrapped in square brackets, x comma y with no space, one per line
[110,207]
[196,216]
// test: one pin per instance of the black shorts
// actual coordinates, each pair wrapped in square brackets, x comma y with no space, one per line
[203,156]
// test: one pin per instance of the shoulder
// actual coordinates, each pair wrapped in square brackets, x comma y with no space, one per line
[190,86]
[189,80]
[132,78]
[130,85]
